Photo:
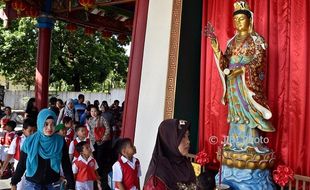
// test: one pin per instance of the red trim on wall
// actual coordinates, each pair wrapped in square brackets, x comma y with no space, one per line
[134,69]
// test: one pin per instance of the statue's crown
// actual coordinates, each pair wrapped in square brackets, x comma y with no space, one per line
[241,5]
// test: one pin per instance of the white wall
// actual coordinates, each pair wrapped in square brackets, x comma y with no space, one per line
[153,79]
[18,99]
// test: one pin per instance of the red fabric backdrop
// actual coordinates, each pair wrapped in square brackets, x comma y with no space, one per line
[285,26]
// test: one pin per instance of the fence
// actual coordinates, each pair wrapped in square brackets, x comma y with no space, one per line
[300,183]
[18,99]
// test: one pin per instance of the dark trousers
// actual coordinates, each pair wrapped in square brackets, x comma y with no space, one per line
[103,157]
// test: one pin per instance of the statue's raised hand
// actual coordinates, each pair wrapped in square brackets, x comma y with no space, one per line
[209,32]
[215,45]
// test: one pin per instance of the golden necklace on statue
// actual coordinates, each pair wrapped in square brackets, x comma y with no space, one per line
[241,38]
[239,41]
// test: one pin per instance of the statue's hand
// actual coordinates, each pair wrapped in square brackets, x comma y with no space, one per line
[215,45]
[216,48]
[236,72]
[209,32]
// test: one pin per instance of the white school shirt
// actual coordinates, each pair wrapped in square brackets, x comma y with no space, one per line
[75,169]
[12,148]
[117,170]
[72,147]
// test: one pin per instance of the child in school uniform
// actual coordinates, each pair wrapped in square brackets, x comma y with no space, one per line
[61,130]
[29,127]
[68,122]
[3,123]
[8,138]
[85,168]
[127,170]
[81,132]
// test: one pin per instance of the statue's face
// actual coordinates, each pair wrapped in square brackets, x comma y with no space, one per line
[241,22]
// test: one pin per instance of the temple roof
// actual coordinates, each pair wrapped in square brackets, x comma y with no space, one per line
[115,16]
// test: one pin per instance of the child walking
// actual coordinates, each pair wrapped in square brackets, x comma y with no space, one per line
[127,170]
[85,168]
[61,130]
[81,132]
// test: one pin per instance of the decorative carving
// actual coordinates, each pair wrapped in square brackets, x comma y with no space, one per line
[173,58]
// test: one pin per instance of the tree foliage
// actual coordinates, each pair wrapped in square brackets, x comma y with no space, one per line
[82,62]
[18,52]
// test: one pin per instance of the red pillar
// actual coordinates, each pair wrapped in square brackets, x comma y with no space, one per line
[45,25]
[134,69]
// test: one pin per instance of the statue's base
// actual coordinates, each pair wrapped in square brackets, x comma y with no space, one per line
[246,179]
[249,159]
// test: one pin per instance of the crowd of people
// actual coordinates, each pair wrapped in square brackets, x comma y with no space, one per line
[74,145]
[76,122]
[76,142]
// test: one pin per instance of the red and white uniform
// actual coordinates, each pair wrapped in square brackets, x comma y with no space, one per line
[4,121]
[15,147]
[12,117]
[7,140]
[74,143]
[127,172]
[85,172]
[69,136]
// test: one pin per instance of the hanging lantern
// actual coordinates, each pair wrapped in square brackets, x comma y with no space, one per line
[18,6]
[106,34]
[87,3]
[31,12]
[71,27]
[89,31]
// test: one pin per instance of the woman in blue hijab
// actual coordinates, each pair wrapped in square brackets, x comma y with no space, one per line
[42,154]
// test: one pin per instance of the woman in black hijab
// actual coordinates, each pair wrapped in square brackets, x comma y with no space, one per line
[169,168]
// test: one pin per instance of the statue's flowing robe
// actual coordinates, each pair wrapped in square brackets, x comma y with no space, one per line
[247,107]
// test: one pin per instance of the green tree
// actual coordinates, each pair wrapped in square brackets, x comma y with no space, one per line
[81,61]
[18,52]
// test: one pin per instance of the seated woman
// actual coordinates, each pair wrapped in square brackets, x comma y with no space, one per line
[169,168]
[41,156]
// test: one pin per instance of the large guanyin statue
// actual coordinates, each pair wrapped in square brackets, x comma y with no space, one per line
[246,158]
[241,70]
